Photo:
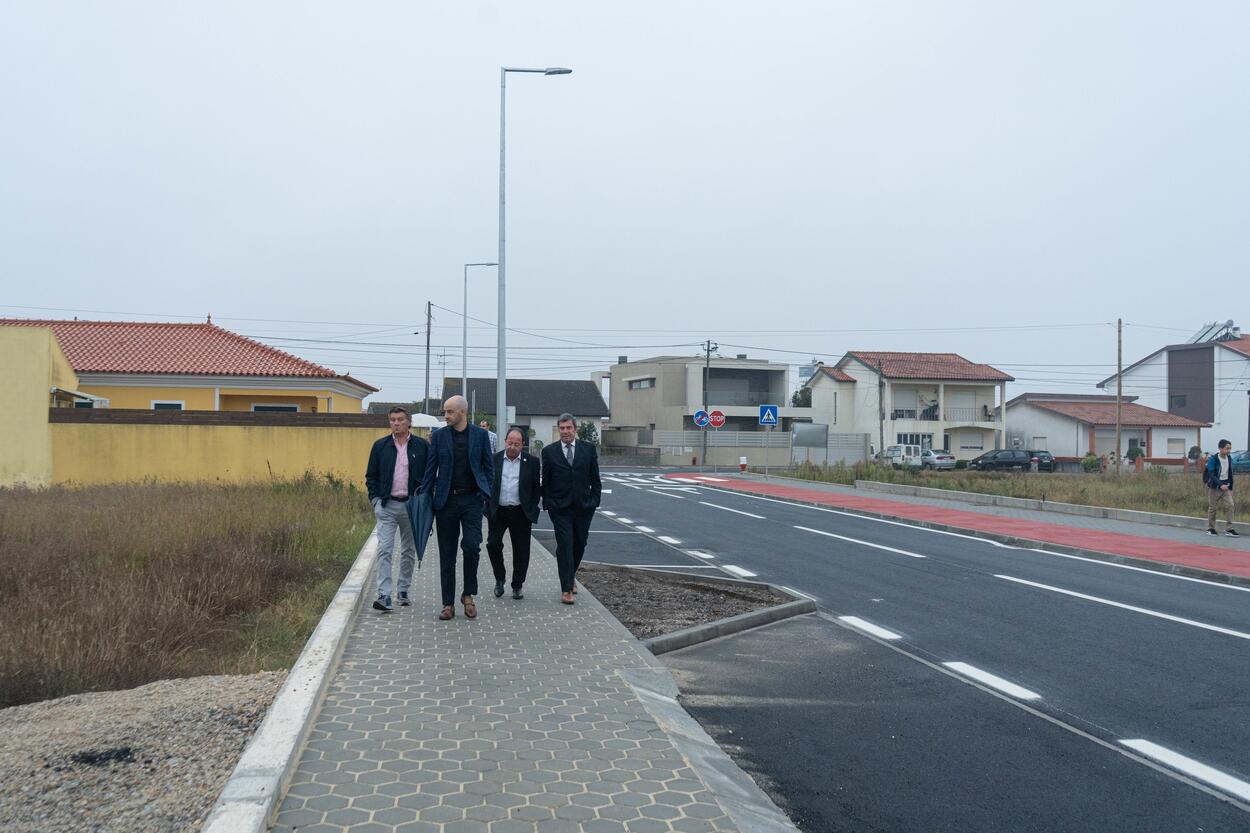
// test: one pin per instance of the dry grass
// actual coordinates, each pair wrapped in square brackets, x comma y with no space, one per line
[113,587]
[1153,490]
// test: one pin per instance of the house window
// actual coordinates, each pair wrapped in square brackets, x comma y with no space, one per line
[1039,444]
[641,384]
[90,403]
[1177,400]
[922,440]
[168,405]
[1176,446]
[284,409]
[971,441]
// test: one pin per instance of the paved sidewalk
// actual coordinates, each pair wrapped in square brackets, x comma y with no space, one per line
[521,721]
[1147,542]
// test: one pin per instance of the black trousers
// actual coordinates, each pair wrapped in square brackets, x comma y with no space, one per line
[513,520]
[572,528]
[460,519]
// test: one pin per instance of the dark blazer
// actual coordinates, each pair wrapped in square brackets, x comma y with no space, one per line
[529,485]
[381,469]
[438,471]
[577,488]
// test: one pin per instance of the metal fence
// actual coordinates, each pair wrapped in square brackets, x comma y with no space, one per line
[723,439]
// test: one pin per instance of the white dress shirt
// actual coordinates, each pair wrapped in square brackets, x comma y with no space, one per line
[510,482]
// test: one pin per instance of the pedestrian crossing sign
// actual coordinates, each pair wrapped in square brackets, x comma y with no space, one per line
[768,414]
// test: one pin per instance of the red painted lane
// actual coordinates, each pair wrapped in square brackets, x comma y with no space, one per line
[1202,557]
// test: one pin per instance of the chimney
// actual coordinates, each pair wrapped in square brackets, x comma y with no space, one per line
[742,355]
[622,359]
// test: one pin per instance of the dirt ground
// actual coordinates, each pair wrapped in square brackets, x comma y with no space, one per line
[651,604]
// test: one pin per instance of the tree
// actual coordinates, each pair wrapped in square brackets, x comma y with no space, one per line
[587,433]
[802,398]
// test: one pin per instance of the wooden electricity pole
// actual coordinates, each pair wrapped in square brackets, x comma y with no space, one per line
[425,403]
[1119,387]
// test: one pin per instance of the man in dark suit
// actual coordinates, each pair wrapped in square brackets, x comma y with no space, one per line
[460,471]
[513,508]
[571,491]
[397,464]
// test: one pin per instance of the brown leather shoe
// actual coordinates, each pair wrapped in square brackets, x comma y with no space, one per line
[470,609]
[449,612]
[567,598]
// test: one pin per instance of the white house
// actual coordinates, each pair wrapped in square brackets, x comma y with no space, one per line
[1073,425]
[933,400]
[1207,382]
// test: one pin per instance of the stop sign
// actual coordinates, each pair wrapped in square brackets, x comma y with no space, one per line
[716,419]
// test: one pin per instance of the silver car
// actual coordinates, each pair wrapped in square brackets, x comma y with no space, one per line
[940,459]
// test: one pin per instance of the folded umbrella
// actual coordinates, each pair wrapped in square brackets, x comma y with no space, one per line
[421,514]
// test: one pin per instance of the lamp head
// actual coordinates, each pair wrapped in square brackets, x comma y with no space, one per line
[557,71]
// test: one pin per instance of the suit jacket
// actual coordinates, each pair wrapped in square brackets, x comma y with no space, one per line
[529,485]
[575,488]
[380,472]
[438,471]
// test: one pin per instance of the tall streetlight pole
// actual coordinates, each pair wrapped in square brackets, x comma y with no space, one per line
[464,344]
[501,384]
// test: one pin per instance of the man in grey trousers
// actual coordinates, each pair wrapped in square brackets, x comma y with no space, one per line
[393,477]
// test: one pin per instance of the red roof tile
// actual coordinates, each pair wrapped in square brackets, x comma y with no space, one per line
[837,375]
[154,347]
[929,366]
[1103,413]
[1241,345]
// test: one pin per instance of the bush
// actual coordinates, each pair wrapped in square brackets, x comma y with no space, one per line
[115,586]
[1195,452]
[961,464]
[1091,463]
[1135,452]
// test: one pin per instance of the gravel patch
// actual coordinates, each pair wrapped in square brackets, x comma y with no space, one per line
[152,758]
[653,603]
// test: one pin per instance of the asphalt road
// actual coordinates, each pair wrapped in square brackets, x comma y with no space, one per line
[1039,691]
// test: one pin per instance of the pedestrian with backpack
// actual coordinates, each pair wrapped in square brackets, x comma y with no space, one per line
[1218,477]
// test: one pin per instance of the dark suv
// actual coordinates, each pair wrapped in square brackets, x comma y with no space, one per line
[1044,459]
[1001,460]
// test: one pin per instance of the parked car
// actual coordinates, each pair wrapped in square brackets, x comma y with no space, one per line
[1241,462]
[1044,460]
[901,456]
[939,459]
[1001,460]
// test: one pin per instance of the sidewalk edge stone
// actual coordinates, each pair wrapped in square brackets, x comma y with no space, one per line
[259,780]
[725,627]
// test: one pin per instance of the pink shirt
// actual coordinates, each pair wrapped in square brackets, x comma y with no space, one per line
[399,483]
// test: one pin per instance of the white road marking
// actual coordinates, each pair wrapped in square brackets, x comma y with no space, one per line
[666,494]
[992,680]
[863,543]
[669,539]
[1190,767]
[1122,606]
[630,486]
[625,520]
[713,479]
[675,566]
[646,529]
[738,511]
[596,531]
[699,554]
[868,627]
[606,512]
[605,491]
[798,593]
[684,480]
[738,571]
[998,544]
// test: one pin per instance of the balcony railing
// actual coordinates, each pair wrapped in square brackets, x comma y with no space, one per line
[929,414]
[982,414]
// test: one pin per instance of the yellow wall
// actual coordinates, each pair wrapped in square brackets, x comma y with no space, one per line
[307,404]
[196,399]
[31,364]
[87,453]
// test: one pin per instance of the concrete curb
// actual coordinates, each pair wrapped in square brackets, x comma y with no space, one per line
[979,499]
[255,788]
[740,797]
[1015,541]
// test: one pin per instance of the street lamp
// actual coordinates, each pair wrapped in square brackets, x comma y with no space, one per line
[501,383]
[464,344]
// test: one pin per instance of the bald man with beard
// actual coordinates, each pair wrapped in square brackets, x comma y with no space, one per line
[458,476]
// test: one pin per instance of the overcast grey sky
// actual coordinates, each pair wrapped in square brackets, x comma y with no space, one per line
[808,177]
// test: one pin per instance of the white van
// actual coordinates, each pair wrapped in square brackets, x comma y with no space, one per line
[902,456]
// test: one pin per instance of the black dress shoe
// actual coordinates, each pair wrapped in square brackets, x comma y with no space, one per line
[517,594]
[498,589]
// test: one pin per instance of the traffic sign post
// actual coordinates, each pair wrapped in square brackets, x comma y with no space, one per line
[768,419]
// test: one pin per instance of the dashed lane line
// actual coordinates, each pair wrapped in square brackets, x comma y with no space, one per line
[869,627]
[735,511]
[861,542]
[993,681]
[1194,769]
[668,539]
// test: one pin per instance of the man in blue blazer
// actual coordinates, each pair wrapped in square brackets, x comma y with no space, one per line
[460,472]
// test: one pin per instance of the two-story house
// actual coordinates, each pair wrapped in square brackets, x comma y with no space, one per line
[932,400]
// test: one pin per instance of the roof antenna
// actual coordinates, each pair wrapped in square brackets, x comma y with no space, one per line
[210,318]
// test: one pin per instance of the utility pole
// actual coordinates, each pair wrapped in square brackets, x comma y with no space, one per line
[1119,386]
[708,347]
[429,317]
[881,404]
